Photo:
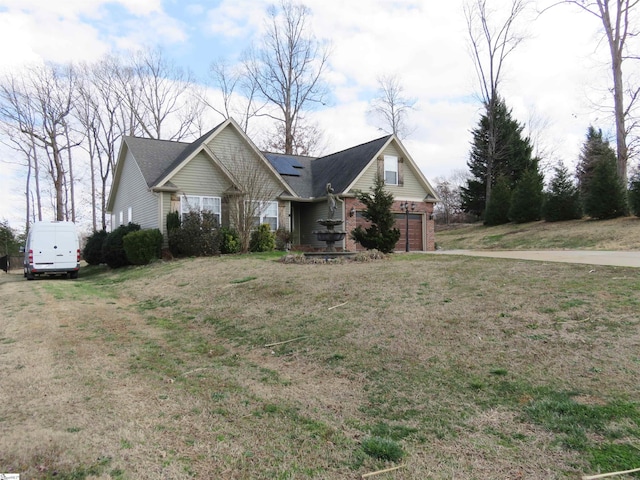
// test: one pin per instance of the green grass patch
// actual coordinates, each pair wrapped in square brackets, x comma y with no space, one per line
[383,449]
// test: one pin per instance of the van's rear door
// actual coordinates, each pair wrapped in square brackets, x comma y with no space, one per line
[54,248]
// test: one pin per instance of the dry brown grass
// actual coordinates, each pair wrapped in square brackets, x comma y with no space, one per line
[617,234]
[162,371]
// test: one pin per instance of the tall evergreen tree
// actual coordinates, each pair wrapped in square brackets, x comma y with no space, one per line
[526,200]
[499,204]
[634,192]
[381,234]
[562,199]
[605,197]
[602,192]
[512,157]
[595,148]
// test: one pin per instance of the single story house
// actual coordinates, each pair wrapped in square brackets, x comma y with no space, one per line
[155,177]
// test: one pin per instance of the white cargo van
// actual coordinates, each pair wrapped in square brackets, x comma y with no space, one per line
[52,248]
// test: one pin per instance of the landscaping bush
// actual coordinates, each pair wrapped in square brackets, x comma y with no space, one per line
[173,221]
[381,234]
[197,235]
[283,238]
[143,246]
[113,252]
[229,240]
[92,252]
[262,239]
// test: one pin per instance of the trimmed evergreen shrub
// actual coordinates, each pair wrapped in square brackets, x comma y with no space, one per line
[113,250]
[262,239]
[381,234]
[173,221]
[229,240]
[142,246]
[92,252]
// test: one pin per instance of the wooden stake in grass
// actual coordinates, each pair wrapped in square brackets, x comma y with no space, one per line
[336,306]
[611,474]
[379,472]
[286,341]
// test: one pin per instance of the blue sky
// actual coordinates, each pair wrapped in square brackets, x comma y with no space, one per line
[551,81]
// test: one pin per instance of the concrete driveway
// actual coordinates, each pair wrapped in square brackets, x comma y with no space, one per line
[590,257]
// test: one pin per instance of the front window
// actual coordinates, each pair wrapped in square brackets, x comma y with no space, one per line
[265,212]
[391,170]
[194,203]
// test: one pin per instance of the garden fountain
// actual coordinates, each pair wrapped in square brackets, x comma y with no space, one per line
[329,235]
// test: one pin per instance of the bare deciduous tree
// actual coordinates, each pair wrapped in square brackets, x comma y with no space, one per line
[287,68]
[492,39]
[391,108]
[255,189]
[39,112]
[619,20]
[17,122]
[162,98]
[449,209]
[238,91]
[104,119]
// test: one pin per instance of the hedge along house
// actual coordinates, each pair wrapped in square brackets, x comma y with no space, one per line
[224,167]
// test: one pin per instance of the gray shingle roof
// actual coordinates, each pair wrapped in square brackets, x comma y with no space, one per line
[157,158]
[302,183]
[341,168]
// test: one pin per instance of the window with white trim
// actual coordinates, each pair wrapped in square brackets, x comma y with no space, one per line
[195,203]
[121,217]
[391,170]
[129,215]
[265,212]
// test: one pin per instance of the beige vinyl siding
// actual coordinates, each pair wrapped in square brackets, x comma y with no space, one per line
[134,193]
[411,188]
[200,177]
[230,148]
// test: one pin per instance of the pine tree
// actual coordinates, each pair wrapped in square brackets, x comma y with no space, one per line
[526,200]
[603,194]
[381,234]
[594,148]
[562,200]
[513,158]
[499,204]
[634,193]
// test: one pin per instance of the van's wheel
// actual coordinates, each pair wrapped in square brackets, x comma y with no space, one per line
[30,276]
[73,275]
